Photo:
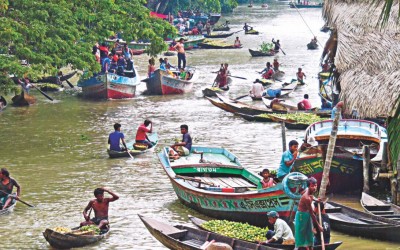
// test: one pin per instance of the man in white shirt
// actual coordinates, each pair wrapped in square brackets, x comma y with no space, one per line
[281,233]
[256,90]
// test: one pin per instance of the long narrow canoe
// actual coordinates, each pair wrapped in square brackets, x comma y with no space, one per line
[219,35]
[256,53]
[212,181]
[68,240]
[181,237]
[380,208]
[23,99]
[198,222]
[9,209]
[117,154]
[54,80]
[284,91]
[354,222]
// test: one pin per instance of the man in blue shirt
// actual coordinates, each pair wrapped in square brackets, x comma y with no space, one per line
[287,161]
[338,105]
[184,147]
[115,137]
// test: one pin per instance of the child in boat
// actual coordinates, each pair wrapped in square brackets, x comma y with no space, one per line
[267,180]
[325,224]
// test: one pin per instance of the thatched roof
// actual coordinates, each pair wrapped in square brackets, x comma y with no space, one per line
[367,56]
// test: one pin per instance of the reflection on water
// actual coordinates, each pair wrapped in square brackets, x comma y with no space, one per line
[57,153]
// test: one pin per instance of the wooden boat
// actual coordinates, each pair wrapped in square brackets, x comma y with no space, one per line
[218,46]
[305,6]
[117,154]
[252,32]
[54,80]
[139,45]
[354,222]
[258,118]
[312,45]
[347,164]
[212,181]
[380,208]
[256,53]
[9,209]
[181,237]
[296,126]
[191,41]
[264,5]
[3,103]
[278,75]
[23,99]
[234,106]
[170,53]
[219,35]
[50,87]
[110,85]
[68,240]
[161,83]
[222,28]
[211,91]
[284,91]
[137,52]
[198,222]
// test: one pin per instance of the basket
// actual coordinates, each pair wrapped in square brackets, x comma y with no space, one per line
[140,146]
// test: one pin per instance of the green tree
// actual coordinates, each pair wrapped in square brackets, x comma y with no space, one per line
[57,33]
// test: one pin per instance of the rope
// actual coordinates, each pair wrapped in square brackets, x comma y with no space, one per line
[294,4]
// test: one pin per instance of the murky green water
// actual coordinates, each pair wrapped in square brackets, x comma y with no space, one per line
[56,150]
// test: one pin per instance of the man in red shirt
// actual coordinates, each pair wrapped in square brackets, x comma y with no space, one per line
[141,134]
[305,103]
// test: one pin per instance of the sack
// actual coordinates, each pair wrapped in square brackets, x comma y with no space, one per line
[140,146]
[273,92]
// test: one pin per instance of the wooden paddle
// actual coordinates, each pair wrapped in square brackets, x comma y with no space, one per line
[29,205]
[127,150]
[47,96]
[240,97]
[69,84]
[282,50]
[244,78]
[320,222]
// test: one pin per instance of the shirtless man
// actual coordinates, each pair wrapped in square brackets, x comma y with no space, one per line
[181,53]
[100,208]
[305,217]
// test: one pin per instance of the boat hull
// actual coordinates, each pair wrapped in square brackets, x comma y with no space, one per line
[23,99]
[257,53]
[162,84]
[109,86]
[118,154]
[65,241]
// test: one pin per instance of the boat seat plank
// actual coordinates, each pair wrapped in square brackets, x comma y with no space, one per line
[245,183]
[383,212]
[227,182]
[193,243]
[213,180]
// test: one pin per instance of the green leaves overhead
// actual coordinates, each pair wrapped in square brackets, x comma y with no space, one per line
[53,34]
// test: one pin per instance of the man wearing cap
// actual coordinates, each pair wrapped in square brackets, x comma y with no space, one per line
[305,217]
[282,232]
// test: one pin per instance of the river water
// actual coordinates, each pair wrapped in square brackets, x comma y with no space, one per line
[56,150]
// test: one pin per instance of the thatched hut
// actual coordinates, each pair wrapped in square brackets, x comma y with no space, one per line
[367,59]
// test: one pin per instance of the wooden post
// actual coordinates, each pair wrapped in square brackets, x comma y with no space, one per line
[366,161]
[398,180]
[329,154]
[283,136]
[384,167]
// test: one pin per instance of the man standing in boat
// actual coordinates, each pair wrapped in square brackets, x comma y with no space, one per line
[6,187]
[288,159]
[181,53]
[305,218]
[100,208]
[141,134]
[115,138]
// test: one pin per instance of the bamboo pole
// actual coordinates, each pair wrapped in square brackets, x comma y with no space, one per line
[366,161]
[283,136]
[329,154]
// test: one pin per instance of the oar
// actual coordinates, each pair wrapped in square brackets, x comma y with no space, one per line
[48,97]
[282,50]
[127,150]
[29,205]
[70,84]
[237,31]
[240,97]
[320,222]
[244,78]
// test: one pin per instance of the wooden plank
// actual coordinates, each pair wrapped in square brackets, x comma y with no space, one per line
[244,182]
[228,182]
[237,181]
[215,181]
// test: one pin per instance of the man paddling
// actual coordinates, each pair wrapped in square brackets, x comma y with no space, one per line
[100,208]
[115,138]
[141,134]
[305,218]
[6,186]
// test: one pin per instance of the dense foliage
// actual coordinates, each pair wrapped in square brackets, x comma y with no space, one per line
[57,33]
[205,6]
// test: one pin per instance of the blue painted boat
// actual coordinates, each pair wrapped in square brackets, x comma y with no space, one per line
[110,85]
[212,181]
[347,164]
[153,137]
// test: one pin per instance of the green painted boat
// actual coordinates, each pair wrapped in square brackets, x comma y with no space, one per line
[117,154]
[212,181]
